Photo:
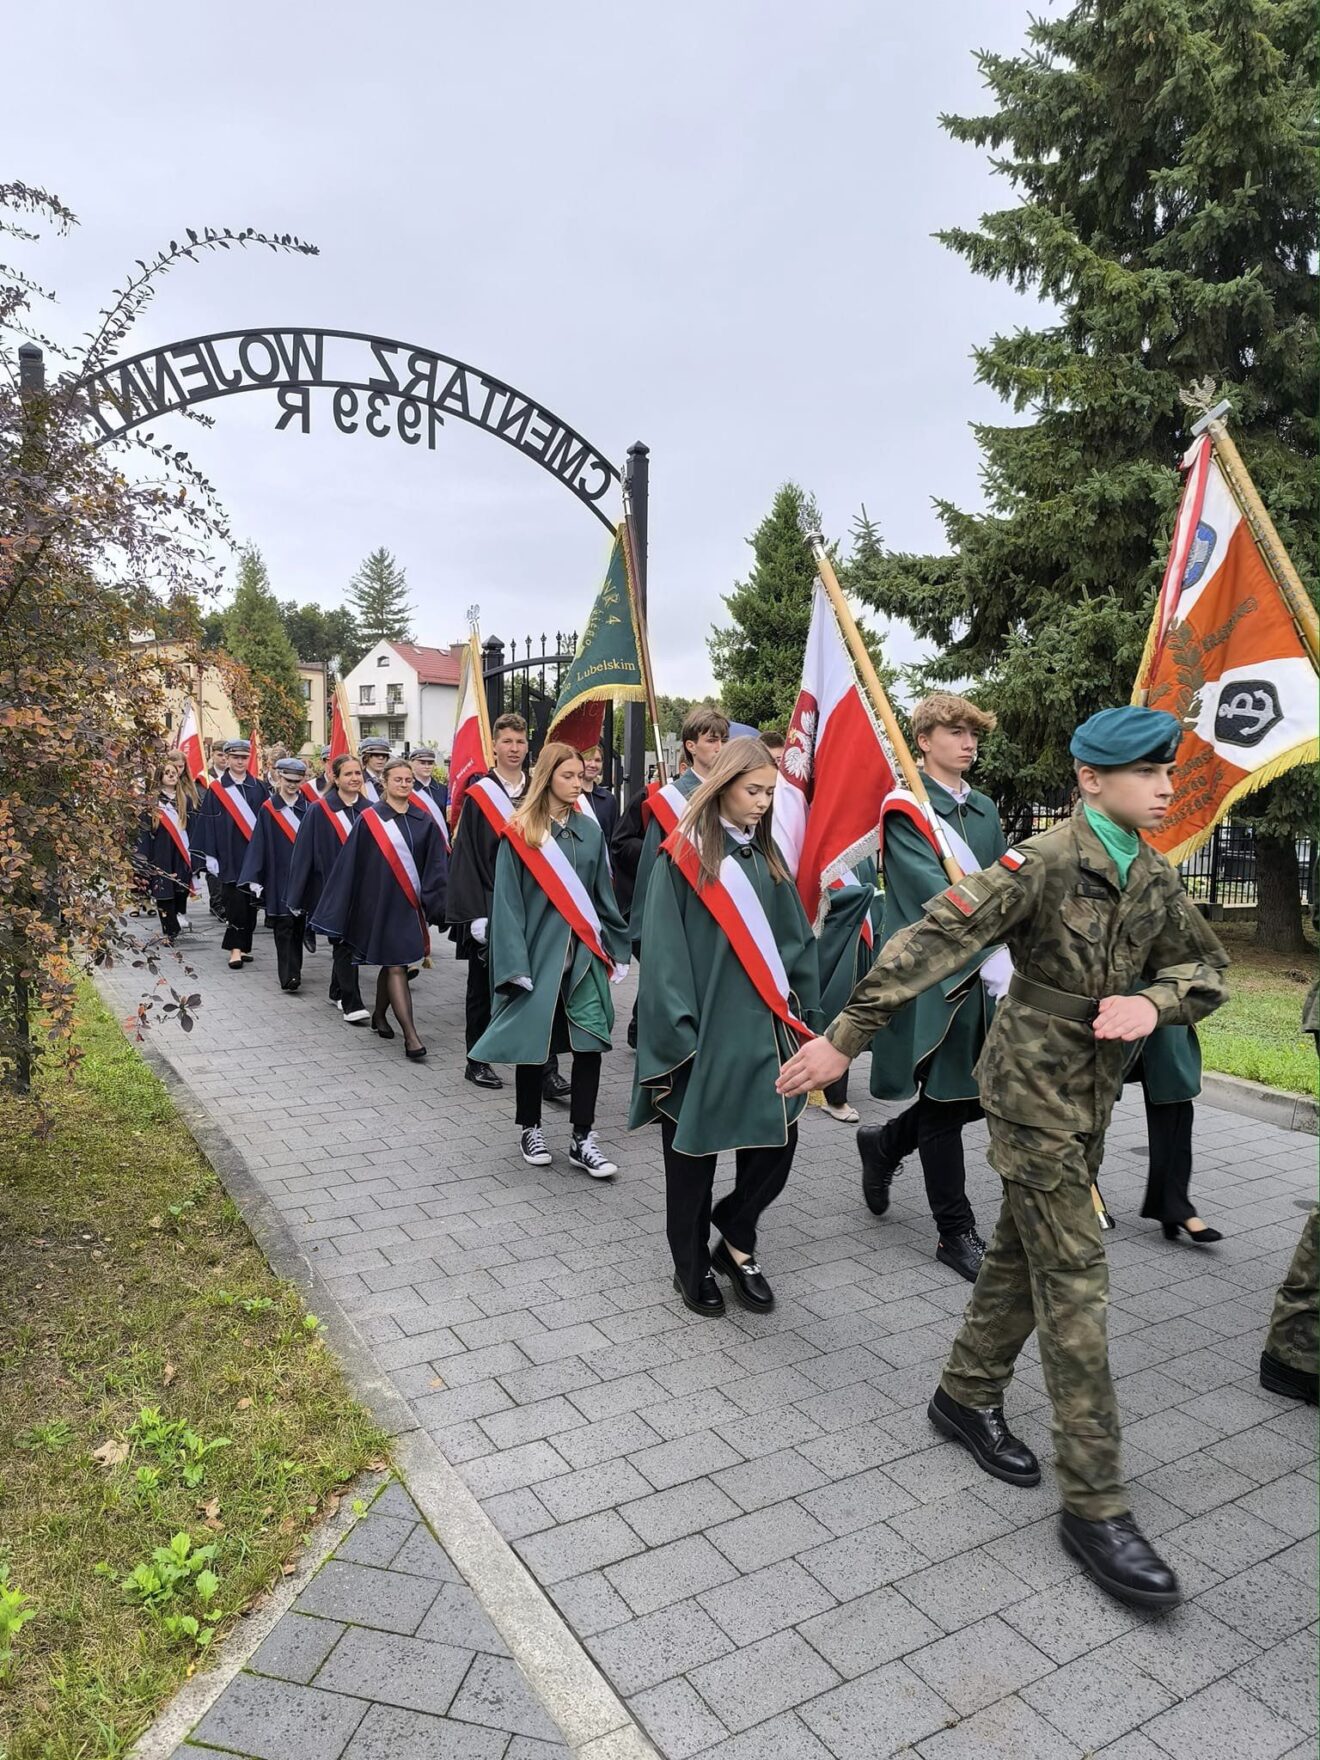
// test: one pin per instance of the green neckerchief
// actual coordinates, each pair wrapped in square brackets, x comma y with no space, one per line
[1120,846]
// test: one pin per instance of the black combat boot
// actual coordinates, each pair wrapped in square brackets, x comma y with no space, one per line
[986,1437]
[1121,1559]
[1280,1377]
[877,1169]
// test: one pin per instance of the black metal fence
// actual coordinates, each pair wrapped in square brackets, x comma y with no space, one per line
[1221,872]
[523,677]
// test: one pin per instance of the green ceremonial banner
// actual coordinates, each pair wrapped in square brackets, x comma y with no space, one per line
[607,667]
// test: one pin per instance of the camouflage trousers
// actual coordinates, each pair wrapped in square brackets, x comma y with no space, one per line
[1045,1271]
[1294,1335]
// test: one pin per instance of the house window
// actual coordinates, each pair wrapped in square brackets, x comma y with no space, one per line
[307,690]
[366,693]
[394,695]
[397,729]
[382,659]
[307,733]
[368,729]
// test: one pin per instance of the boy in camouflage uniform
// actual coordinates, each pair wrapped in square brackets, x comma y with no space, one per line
[1089,914]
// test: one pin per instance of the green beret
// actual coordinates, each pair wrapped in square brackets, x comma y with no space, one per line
[1130,735]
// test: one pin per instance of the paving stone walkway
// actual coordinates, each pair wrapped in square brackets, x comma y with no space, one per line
[750,1523]
[385,1655]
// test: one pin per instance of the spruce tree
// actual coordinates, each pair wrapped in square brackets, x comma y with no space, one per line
[758,661]
[255,634]
[378,601]
[1160,155]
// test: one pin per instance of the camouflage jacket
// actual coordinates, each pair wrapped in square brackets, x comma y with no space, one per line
[1055,902]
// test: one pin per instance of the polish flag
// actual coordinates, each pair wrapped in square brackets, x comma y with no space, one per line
[339,746]
[470,754]
[190,744]
[835,771]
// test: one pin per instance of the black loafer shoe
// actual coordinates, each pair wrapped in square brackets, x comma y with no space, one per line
[748,1280]
[986,1437]
[1121,1559]
[962,1253]
[877,1169]
[707,1301]
[555,1088]
[1280,1377]
[481,1075]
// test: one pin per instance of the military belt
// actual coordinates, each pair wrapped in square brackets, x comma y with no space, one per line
[1064,1003]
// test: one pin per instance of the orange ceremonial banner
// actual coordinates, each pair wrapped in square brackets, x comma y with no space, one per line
[1225,656]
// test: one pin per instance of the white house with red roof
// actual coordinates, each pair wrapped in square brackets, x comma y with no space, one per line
[405,693]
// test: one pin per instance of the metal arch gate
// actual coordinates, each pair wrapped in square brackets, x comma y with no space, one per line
[529,686]
[380,386]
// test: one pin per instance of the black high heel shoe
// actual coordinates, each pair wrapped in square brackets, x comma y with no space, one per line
[414,1056]
[1201,1237]
[380,1025]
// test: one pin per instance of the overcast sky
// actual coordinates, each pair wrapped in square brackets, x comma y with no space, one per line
[705,226]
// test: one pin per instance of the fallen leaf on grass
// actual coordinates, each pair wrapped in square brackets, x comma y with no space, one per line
[169,1373]
[243,1405]
[155,1222]
[331,1503]
[378,1466]
[111,1454]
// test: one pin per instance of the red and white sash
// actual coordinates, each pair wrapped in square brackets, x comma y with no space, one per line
[307,789]
[239,808]
[667,803]
[285,817]
[423,798]
[848,878]
[491,800]
[369,788]
[392,844]
[174,830]
[733,902]
[562,885]
[341,821]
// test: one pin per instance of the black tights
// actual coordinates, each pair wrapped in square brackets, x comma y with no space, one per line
[392,992]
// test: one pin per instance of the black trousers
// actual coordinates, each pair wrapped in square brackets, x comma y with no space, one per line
[584,1082]
[477,1000]
[837,1092]
[1169,1133]
[288,932]
[168,909]
[344,978]
[240,917]
[214,894]
[759,1177]
[933,1128]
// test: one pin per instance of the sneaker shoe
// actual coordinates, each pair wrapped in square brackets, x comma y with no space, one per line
[534,1151]
[585,1152]
[356,1016]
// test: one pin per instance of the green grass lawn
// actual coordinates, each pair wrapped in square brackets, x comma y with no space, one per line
[156,1380]
[1257,1034]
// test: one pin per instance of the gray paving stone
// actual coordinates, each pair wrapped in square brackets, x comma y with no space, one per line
[606,1440]
[361,1596]
[877,1714]
[1284,1679]
[763,1679]
[867,1631]
[769,1600]
[1301,1561]
[1288,1503]
[960,1590]
[1264,1602]
[688,1457]
[979,1664]
[1008,1727]
[590,1603]
[422,1556]
[684,1509]
[1230,1538]
[659,1645]
[591,1489]
[845,1505]
[584,1545]
[1098,1698]
[783,1738]
[670,1573]
[375,1539]
[390,1734]
[1071,1618]
[393,1670]
[1186,1650]
[276,1720]
[296,1647]
[495,1693]
[457,1619]
[866,1560]
[1198,1483]
[677,1719]
[1222,1722]
[513,1469]
[950,1524]
[768,1535]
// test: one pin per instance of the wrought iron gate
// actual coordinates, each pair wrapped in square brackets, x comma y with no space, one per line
[526,683]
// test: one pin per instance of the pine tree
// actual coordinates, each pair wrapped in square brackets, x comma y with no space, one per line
[758,661]
[1160,152]
[378,600]
[255,634]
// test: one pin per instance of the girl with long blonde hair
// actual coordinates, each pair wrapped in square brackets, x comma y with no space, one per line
[730,981]
[163,857]
[556,942]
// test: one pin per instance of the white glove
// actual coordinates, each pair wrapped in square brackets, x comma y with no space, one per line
[523,983]
[618,974]
[478,929]
[996,972]
[212,866]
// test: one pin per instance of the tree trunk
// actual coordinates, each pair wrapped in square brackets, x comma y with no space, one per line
[1278,896]
[15,1030]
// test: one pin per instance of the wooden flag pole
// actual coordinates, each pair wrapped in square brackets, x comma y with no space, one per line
[643,648]
[879,701]
[1268,541]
